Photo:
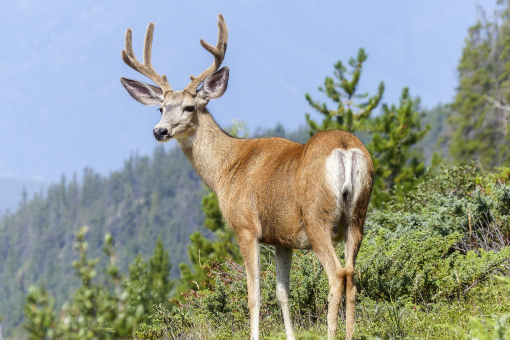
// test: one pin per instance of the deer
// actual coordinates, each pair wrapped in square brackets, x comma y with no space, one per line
[270,190]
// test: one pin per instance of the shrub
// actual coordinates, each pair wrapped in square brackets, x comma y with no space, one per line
[427,250]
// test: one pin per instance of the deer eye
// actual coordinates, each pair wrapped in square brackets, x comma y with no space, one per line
[189,108]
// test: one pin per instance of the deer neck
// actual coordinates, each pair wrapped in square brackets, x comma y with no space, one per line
[209,149]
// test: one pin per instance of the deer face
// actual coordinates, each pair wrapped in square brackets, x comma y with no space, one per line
[178,108]
[177,115]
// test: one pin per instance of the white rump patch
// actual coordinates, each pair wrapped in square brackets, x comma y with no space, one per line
[346,171]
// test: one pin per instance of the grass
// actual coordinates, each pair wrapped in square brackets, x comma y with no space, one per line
[455,319]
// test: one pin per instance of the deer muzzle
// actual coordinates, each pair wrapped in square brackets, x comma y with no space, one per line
[161,134]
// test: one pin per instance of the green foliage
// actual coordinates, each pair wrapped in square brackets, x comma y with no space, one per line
[39,313]
[493,328]
[110,311]
[222,247]
[222,312]
[481,109]
[393,134]
[348,115]
[93,313]
[456,220]
[426,260]
[148,284]
[159,274]
[149,197]
[421,267]
[458,199]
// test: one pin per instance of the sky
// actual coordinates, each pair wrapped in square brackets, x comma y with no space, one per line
[62,107]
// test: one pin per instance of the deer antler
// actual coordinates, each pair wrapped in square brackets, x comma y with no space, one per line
[217,51]
[146,68]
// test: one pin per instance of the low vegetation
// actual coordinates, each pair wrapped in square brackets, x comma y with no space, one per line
[434,265]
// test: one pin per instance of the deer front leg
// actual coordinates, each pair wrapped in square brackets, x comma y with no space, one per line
[283,262]
[249,246]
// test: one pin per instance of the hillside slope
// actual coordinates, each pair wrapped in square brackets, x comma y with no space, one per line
[150,197]
[12,190]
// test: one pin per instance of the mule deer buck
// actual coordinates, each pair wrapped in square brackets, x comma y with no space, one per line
[270,190]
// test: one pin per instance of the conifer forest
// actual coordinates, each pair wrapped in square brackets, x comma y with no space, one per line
[144,252]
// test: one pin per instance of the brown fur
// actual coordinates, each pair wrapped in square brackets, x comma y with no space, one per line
[273,190]
[272,180]
[270,190]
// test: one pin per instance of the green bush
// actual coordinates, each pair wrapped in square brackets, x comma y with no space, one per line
[422,267]
[425,270]
[423,258]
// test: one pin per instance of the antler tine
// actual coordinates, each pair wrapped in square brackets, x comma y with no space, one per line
[147,45]
[146,68]
[217,51]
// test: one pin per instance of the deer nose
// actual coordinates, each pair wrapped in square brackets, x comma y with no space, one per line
[159,133]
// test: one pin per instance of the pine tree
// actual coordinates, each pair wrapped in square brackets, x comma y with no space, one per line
[149,284]
[94,312]
[159,275]
[201,249]
[137,285]
[481,111]
[351,113]
[393,134]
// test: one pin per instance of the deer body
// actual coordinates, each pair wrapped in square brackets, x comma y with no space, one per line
[270,190]
[259,182]
[242,172]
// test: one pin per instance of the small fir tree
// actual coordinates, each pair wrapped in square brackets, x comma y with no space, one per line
[137,285]
[202,249]
[393,134]
[149,284]
[159,275]
[352,109]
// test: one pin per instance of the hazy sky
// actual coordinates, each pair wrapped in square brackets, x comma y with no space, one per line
[63,108]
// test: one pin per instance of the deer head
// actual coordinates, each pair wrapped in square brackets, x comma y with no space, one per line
[179,109]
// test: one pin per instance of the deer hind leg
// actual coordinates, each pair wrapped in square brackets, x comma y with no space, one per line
[355,209]
[322,244]
[249,246]
[283,262]
[353,237]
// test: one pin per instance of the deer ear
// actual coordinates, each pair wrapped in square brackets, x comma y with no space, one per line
[215,85]
[143,93]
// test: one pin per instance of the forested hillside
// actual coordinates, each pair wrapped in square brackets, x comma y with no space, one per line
[12,191]
[481,110]
[149,197]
